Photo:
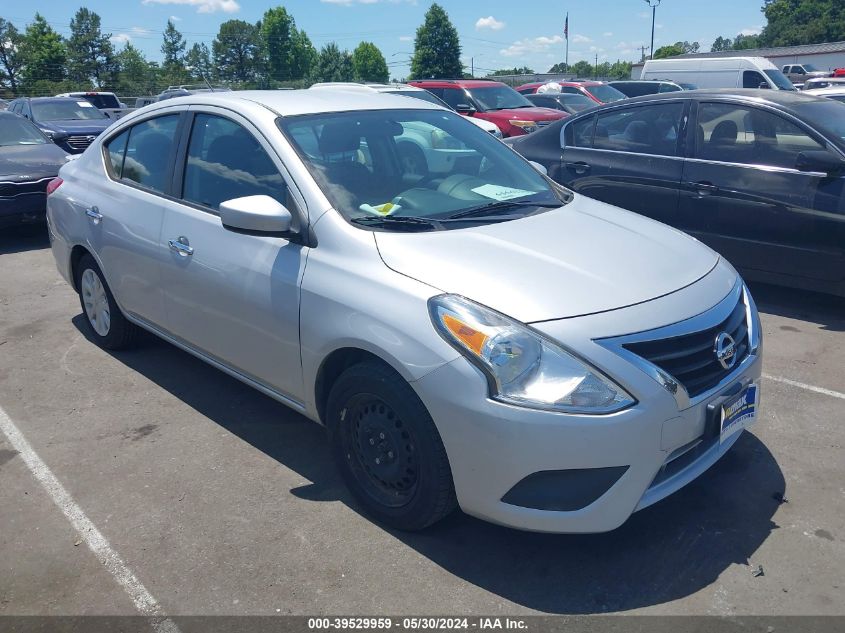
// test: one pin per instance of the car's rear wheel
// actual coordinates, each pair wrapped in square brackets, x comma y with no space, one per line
[106,323]
[388,448]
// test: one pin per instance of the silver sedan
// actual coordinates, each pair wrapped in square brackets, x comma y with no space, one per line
[469,332]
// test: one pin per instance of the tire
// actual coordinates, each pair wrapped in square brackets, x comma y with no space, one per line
[388,449]
[106,323]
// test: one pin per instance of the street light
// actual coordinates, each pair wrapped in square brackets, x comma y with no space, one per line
[653,4]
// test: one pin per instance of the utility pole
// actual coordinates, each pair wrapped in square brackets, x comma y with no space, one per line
[642,52]
[653,4]
[597,65]
[472,66]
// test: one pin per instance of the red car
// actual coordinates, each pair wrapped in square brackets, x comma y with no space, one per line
[839,72]
[598,91]
[492,101]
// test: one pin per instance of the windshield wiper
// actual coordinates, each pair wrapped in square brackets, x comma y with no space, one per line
[398,222]
[501,205]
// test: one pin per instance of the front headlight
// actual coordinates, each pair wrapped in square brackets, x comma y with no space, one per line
[522,367]
[527,126]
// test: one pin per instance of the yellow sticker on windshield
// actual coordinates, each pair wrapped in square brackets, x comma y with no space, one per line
[497,192]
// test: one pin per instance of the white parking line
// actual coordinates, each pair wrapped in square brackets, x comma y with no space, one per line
[801,385]
[144,601]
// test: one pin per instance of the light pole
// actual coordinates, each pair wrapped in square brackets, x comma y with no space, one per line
[653,4]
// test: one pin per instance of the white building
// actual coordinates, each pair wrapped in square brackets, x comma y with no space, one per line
[822,56]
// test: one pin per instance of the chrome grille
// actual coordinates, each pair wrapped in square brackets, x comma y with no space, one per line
[690,359]
[10,189]
[80,142]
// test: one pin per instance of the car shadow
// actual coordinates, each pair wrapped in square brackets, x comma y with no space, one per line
[27,237]
[668,551]
[827,311]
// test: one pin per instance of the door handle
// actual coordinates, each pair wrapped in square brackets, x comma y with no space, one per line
[180,245]
[704,189]
[94,214]
[579,167]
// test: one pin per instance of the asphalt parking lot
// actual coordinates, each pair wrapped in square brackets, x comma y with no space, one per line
[222,501]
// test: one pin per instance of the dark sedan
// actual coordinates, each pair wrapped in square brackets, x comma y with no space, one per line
[758,175]
[564,101]
[28,162]
[70,123]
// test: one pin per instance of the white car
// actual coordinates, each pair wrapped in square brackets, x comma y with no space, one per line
[482,337]
[406,90]
[835,92]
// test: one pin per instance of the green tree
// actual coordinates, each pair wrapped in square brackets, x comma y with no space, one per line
[90,54]
[437,49]
[334,64]
[136,77]
[722,44]
[678,48]
[795,22]
[305,56]
[525,70]
[173,52]
[744,42]
[237,50]
[582,69]
[44,52]
[369,64]
[11,60]
[560,67]
[278,29]
[198,62]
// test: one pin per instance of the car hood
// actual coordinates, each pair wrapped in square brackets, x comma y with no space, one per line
[583,258]
[29,162]
[77,127]
[528,114]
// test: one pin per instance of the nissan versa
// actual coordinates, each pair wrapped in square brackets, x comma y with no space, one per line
[470,333]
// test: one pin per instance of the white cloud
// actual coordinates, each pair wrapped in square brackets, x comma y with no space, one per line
[120,38]
[658,25]
[754,30]
[578,38]
[349,3]
[406,38]
[531,45]
[203,6]
[608,34]
[137,30]
[489,23]
[175,18]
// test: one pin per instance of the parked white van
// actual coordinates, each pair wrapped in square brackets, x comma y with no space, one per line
[719,72]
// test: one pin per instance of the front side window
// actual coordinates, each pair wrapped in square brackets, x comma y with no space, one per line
[753,79]
[455,97]
[66,110]
[225,161]
[746,135]
[651,129]
[420,166]
[147,152]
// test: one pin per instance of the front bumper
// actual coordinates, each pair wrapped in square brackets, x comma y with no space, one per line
[646,452]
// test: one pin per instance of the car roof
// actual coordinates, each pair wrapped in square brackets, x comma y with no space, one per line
[297,102]
[782,98]
[371,87]
[49,99]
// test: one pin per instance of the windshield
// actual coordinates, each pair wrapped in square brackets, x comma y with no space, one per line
[810,68]
[101,100]
[779,79]
[605,93]
[428,165]
[498,97]
[17,131]
[422,95]
[825,115]
[70,110]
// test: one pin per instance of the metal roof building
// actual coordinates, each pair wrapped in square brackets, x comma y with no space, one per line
[825,56]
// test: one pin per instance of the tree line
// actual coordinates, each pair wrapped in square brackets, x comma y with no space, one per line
[271,53]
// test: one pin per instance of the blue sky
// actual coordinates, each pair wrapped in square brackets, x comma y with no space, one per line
[496,33]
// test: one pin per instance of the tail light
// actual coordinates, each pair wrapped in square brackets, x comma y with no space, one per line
[53,185]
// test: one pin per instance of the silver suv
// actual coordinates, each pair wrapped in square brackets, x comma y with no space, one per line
[469,332]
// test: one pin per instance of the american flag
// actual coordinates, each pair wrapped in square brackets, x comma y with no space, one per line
[566,27]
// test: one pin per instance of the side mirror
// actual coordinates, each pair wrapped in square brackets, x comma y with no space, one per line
[820,161]
[465,109]
[541,168]
[259,214]
[764,86]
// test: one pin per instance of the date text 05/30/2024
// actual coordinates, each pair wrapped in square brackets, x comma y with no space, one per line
[416,623]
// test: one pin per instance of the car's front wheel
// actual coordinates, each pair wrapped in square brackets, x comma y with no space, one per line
[388,448]
[107,325]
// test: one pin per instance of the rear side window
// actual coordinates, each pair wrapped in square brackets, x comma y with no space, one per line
[146,152]
[225,161]
[116,150]
[751,136]
[650,129]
